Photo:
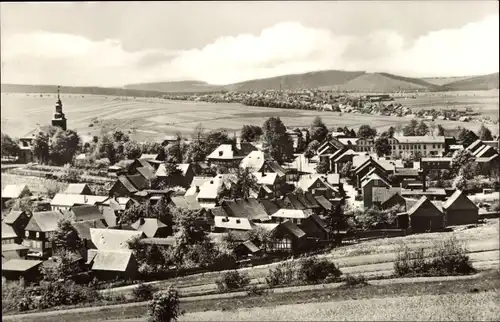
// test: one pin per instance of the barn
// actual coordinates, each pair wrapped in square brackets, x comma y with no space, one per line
[460,210]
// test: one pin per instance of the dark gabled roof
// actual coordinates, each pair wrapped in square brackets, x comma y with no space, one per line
[269,206]
[139,181]
[293,229]
[124,180]
[323,202]
[312,224]
[186,202]
[12,216]
[147,173]
[454,197]
[84,212]
[276,167]
[83,227]
[249,208]
[248,245]
[419,204]
[294,202]
[143,163]
[219,212]
[149,226]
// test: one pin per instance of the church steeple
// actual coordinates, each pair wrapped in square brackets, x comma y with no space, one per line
[59,117]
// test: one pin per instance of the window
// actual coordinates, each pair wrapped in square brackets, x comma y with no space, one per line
[425,147]
[37,244]
[27,234]
[283,244]
[37,234]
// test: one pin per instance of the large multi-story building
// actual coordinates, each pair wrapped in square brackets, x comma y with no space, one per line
[401,145]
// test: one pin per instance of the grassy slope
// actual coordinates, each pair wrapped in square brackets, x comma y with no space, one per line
[384,83]
[177,87]
[307,302]
[484,82]
[440,81]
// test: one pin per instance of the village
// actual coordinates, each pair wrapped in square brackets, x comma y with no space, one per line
[325,100]
[130,211]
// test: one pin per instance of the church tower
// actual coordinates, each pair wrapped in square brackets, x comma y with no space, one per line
[59,118]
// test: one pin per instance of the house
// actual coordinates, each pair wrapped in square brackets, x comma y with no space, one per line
[141,163]
[230,156]
[83,213]
[259,161]
[431,193]
[246,250]
[78,189]
[152,227]
[26,270]
[14,191]
[302,165]
[315,228]
[271,181]
[196,183]
[128,185]
[183,178]
[83,230]
[294,215]
[208,195]
[224,224]
[367,185]
[38,232]
[113,239]
[340,158]
[63,202]
[248,208]
[186,202]
[112,264]
[387,197]
[288,238]
[460,210]
[118,204]
[327,185]
[16,220]
[426,145]
[9,235]
[367,166]
[14,251]
[425,216]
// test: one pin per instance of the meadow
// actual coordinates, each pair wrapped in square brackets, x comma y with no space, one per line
[152,118]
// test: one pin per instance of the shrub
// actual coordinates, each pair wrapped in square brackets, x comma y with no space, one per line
[13,293]
[284,274]
[65,293]
[164,307]
[232,280]
[448,258]
[254,290]
[143,292]
[355,280]
[313,270]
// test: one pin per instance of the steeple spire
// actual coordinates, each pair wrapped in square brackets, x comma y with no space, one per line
[58,90]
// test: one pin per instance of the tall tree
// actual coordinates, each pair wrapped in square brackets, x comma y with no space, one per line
[367,132]
[422,129]
[382,146]
[441,131]
[9,146]
[132,150]
[195,152]
[40,147]
[318,131]
[250,133]
[199,132]
[66,237]
[174,152]
[63,146]
[276,141]
[485,134]
[323,167]
[216,138]
[464,161]
[150,147]
[467,137]
[242,186]
[106,149]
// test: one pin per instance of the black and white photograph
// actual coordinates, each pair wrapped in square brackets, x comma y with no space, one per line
[170,161]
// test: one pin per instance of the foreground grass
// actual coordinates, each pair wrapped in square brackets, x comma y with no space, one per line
[449,307]
[486,282]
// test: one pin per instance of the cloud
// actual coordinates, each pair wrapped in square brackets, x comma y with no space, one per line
[284,48]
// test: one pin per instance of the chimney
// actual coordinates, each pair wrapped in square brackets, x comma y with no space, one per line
[238,143]
[197,188]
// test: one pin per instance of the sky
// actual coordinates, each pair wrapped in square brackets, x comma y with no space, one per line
[118,43]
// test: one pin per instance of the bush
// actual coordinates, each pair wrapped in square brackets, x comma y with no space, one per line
[232,280]
[284,274]
[13,293]
[448,258]
[66,293]
[254,290]
[313,270]
[143,292]
[164,307]
[355,280]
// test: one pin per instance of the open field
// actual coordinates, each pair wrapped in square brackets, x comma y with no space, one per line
[450,307]
[151,118]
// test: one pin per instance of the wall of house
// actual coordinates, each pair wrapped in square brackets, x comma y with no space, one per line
[426,218]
